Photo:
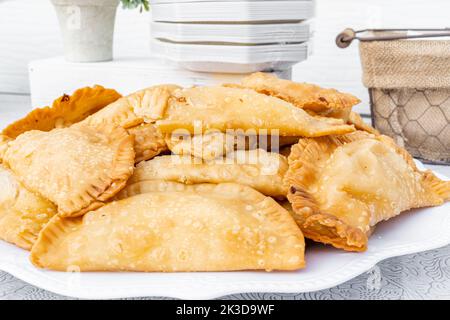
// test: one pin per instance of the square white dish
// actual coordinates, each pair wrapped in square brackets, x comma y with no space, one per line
[231,58]
[236,11]
[415,231]
[232,33]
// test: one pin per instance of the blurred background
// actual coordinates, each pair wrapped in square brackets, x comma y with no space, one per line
[29,31]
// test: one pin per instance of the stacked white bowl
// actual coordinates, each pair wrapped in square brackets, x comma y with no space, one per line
[232,36]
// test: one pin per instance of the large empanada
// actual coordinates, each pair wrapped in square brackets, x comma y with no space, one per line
[310,97]
[22,213]
[258,169]
[65,111]
[176,228]
[203,108]
[342,186]
[77,168]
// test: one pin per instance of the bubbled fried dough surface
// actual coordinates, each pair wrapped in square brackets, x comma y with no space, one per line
[310,97]
[340,187]
[65,111]
[225,108]
[23,213]
[202,228]
[77,168]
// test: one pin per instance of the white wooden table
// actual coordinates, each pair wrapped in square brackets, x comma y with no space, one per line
[417,276]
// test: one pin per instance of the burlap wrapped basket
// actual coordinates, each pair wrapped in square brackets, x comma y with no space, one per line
[409,87]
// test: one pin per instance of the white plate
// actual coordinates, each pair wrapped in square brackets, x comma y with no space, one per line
[416,231]
[231,58]
[232,33]
[239,11]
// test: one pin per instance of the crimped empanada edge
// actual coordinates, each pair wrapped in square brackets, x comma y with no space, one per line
[110,184]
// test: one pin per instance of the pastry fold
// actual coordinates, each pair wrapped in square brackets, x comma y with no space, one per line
[176,228]
[222,108]
[310,97]
[22,213]
[261,170]
[65,111]
[340,187]
[77,168]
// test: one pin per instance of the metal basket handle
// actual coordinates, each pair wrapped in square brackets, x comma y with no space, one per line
[345,38]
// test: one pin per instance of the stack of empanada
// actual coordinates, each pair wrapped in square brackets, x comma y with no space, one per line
[89,184]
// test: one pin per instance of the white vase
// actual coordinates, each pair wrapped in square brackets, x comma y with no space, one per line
[87,28]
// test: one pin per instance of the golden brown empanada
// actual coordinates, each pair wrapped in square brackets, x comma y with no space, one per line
[65,111]
[204,108]
[258,169]
[149,141]
[312,98]
[22,213]
[215,144]
[359,123]
[342,186]
[127,111]
[205,227]
[77,168]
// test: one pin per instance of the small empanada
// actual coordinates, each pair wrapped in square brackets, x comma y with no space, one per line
[340,187]
[127,111]
[258,169]
[77,168]
[148,141]
[204,108]
[205,227]
[65,111]
[359,123]
[23,214]
[312,98]
[215,144]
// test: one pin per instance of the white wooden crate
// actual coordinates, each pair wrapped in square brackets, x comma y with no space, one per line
[50,78]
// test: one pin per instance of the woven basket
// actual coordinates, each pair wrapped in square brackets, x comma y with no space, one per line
[409,87]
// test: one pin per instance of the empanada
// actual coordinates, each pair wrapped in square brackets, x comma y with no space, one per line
[340,187]
[127,111]
[65,111]
[215,144]
[149,141]
[77,168]
[258,169]
[359,123]
[205,227]
[203,108]
[312,98]
[23,214]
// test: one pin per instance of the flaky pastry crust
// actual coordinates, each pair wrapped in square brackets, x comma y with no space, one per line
[77,168]
[206,227]
[65,111]
[340,187]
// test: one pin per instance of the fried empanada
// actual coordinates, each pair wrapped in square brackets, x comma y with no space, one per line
[148,141]
[127,111]
[222,108]
[258,169]
[216,144]
[65,111]
[205,227]
[23,214]
[340,187]
[312,98]
[359,123]
[77,168]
